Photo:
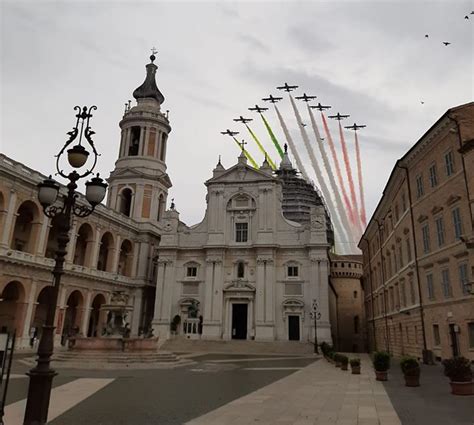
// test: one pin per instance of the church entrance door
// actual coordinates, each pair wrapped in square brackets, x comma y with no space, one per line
[294,328]
[239,321]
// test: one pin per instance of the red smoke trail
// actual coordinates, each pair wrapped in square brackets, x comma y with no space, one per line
[338,170]
[361,184]
[355,207]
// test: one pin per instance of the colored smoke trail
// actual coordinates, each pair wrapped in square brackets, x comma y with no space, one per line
[338,169]
[247,154]
[363,216]
[355,207]
[272,164]
[299,164]
[332,180]
[272,136]
[314,163]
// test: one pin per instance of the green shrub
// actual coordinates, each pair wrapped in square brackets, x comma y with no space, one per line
[458,369]
[381,361]
[410,366]
[344,359]
[326,348]
[355,362]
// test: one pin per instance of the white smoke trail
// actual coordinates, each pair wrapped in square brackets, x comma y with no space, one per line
[337,196]
[299,164]
[322,183]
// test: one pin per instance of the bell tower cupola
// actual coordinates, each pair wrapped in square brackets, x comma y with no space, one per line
[139,183]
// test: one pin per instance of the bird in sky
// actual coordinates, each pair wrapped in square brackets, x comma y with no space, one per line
[446,43]
[466,17]
[426,36]
[303,124]
[422,102]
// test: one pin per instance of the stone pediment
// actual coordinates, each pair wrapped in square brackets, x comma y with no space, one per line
[241,173]
[239,286]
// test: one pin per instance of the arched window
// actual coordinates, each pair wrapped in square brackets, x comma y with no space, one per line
[125,201]
[134,146]
[84,241]
[73,316]
[125,258]
[240,270]
[105,259]
[52,245]
[24,233]
[164,137]
[11,306]
[95,324]
[161,207]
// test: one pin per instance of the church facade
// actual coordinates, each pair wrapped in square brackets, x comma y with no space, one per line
[252,272]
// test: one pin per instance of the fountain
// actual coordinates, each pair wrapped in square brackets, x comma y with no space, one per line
[115,335]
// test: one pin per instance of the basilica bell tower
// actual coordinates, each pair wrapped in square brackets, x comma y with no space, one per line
[139,183]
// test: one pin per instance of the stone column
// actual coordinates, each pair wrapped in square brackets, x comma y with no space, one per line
[138,201]
[143,260]
[136,247]
[60,315]
[164,286]
[211,325]
[260,291]
[71,246]
[116,255]
[95,249]
[137,311]
[270,283]
[8,223]
[41,233]
[25,337]
[218,293]
[141,145]
[86,313]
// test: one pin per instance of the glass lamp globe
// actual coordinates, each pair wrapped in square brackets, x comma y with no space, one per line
[77,156]
[48,191]
[95,190]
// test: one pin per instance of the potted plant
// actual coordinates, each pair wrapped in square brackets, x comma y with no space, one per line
[355,366]
[411,371]
[337,359]
[174,324]
[381,362]
[459,371]
[344,361]
[331,355]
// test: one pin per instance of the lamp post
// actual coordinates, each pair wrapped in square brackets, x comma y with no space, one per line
[41,376]
[315,315]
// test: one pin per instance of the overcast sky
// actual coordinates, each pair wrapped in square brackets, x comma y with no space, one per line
[367,59]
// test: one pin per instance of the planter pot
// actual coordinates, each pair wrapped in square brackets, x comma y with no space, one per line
[462,388]
[381,376]
[412,380]
[356,370]
[344,367]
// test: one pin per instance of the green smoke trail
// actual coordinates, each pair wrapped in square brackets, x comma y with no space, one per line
[272,136]
[272,164]
[247,155]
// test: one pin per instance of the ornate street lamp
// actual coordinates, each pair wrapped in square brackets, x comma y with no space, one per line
[41,376]
[315,315]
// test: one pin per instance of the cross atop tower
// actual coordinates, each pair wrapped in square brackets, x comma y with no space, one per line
[154,51]
[242,144]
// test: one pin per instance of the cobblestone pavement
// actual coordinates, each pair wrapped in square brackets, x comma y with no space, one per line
[432,402]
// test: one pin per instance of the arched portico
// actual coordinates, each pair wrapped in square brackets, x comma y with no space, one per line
[26,228]
[12,304]
[96,320]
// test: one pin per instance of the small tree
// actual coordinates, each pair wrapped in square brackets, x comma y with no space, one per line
[381,361]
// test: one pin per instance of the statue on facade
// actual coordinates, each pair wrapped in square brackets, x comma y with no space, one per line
[193,310]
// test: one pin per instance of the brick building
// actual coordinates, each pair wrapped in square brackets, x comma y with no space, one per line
[417,247]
